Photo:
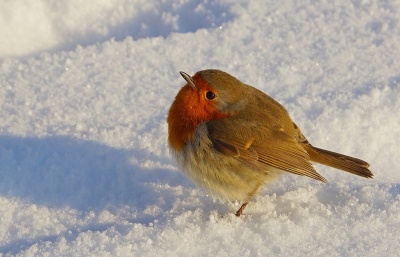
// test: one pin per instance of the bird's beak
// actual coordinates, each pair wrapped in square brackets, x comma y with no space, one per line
[188,79]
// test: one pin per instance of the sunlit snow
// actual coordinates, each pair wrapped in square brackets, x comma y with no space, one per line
[85,88]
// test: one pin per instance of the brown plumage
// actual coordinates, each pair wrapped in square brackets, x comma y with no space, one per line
[231,138]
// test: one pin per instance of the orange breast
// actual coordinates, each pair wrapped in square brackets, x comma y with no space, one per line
[189,109]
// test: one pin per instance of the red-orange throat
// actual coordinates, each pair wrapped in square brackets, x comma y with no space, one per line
[189,109]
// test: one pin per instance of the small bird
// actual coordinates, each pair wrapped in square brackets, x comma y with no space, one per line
[230,138]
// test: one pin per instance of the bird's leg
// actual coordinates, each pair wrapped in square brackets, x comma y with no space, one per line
[239,212]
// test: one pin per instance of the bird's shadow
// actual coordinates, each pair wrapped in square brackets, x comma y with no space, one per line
[60,172]
[66,173]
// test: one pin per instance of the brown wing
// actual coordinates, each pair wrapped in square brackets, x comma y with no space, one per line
[278,150]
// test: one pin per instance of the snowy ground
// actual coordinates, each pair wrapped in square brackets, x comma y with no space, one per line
[84,91]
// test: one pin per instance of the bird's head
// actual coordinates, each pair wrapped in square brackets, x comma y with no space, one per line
[208,95]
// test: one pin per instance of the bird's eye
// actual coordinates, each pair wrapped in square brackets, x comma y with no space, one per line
[210,95]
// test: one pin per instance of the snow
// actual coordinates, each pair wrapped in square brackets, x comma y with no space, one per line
[85,168]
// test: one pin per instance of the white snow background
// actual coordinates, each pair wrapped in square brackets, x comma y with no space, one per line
[85,87]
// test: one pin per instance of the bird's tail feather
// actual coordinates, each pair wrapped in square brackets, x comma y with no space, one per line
[339,161]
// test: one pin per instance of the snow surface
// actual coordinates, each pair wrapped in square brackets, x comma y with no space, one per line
[85,168]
